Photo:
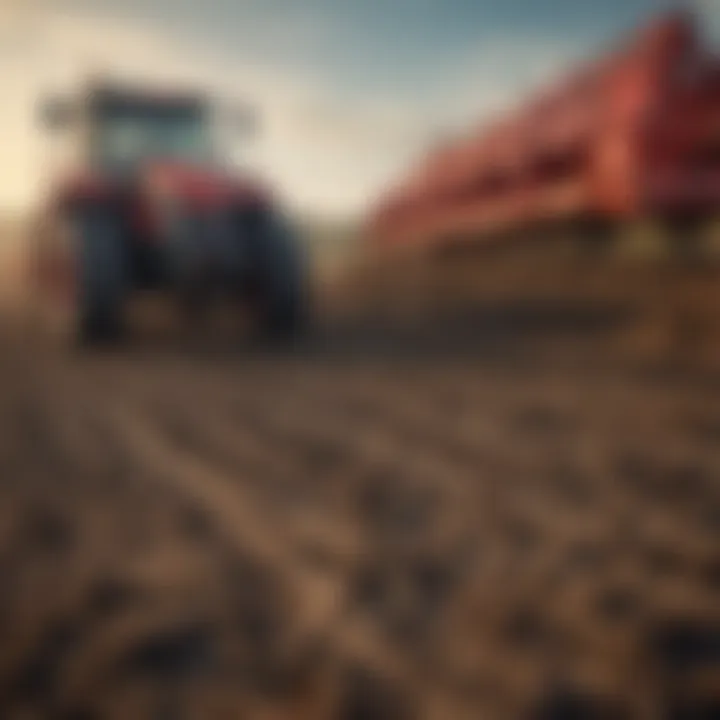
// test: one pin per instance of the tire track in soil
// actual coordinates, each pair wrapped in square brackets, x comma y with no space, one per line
[449,531]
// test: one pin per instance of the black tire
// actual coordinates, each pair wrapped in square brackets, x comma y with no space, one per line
[282,279]
[101,275]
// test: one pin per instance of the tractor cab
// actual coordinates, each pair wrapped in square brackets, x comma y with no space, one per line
[118,130]
[126,130]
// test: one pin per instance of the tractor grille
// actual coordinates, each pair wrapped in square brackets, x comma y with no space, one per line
[207,239]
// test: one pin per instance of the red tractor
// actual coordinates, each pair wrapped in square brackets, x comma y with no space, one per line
[150,206]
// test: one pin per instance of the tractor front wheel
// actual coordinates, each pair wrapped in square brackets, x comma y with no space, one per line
[83,297]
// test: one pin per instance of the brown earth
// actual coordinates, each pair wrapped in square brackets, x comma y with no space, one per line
[512,512]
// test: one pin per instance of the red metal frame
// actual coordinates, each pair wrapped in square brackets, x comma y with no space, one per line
[636,134]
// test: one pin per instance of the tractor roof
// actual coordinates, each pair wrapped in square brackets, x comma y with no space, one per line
[112,93]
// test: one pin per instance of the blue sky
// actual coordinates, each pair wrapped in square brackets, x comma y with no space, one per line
[371,45]
[351,91]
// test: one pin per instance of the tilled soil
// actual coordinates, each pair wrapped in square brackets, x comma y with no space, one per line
[362,529]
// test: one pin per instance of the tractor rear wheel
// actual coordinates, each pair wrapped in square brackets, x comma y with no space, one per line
[89,308]
[281,276]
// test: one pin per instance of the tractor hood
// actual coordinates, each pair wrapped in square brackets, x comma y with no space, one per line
[158,184]
[198,186]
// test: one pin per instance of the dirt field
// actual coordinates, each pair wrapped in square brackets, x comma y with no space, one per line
[516,515]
